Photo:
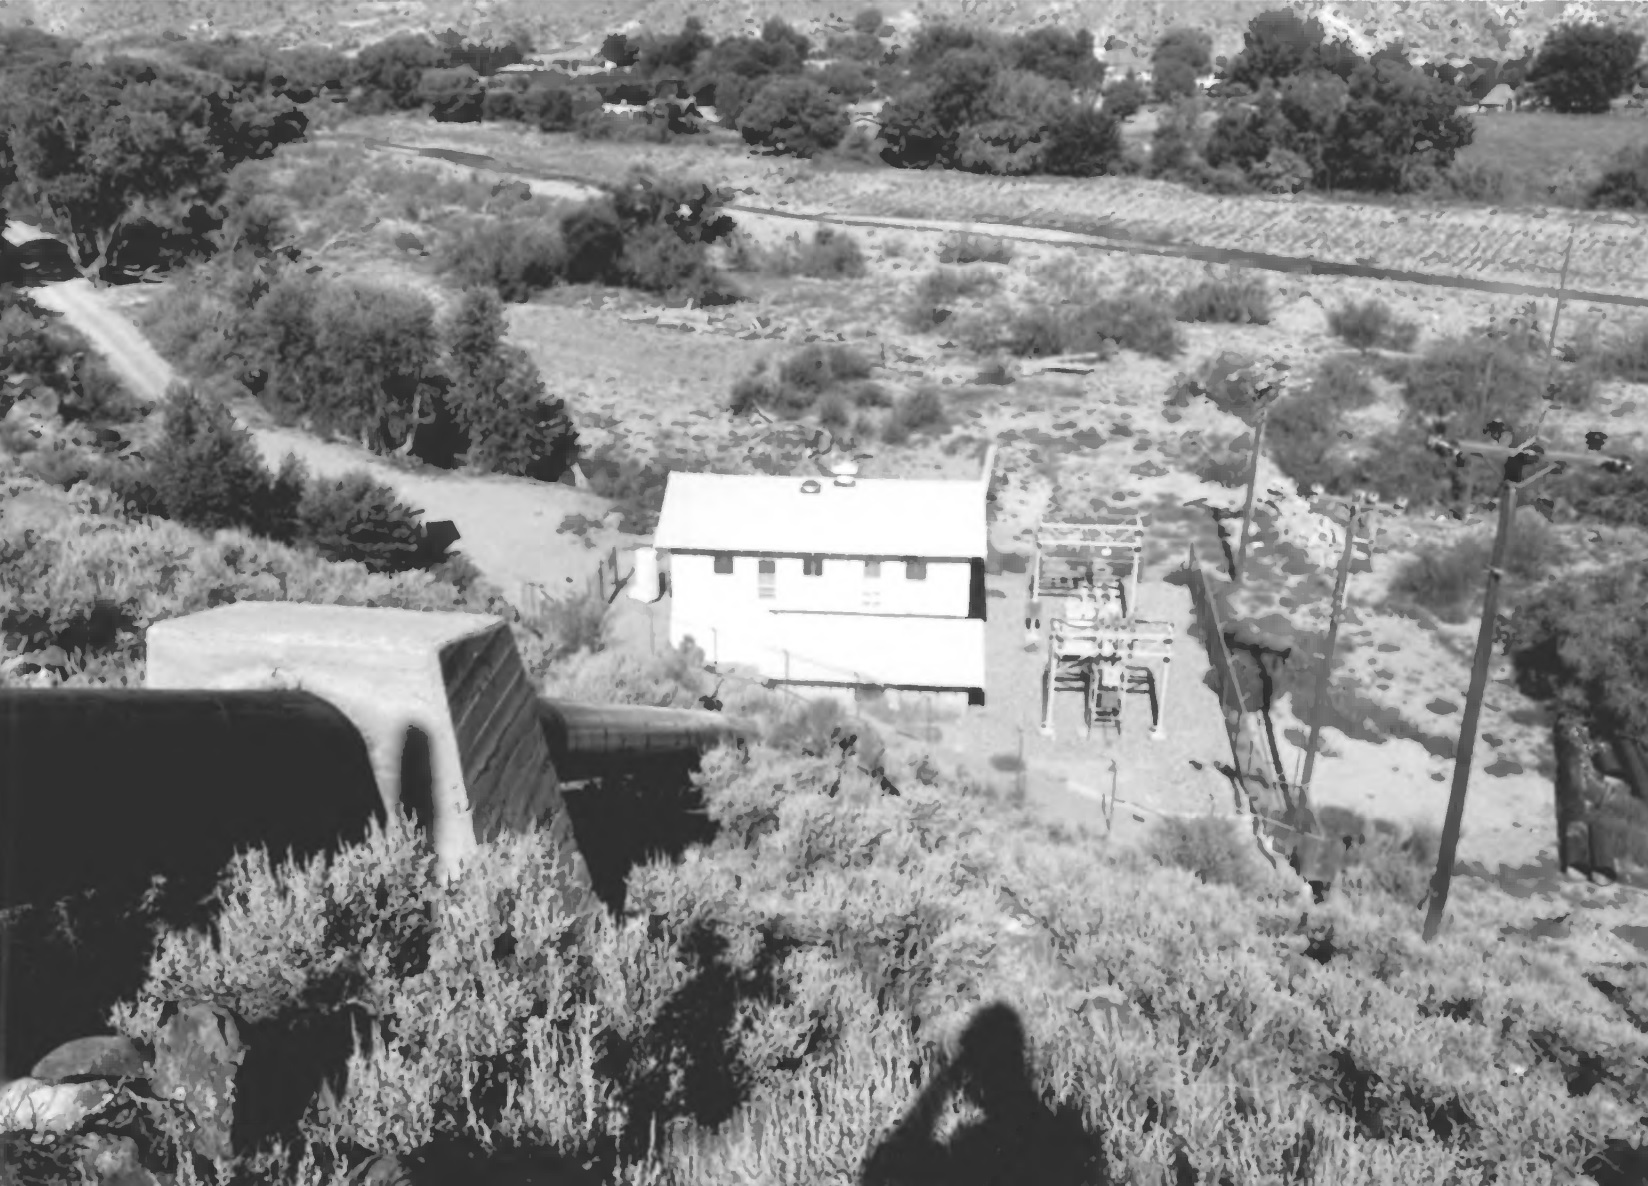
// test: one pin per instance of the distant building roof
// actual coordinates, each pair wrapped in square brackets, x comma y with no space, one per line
[1501,96]
[873,517]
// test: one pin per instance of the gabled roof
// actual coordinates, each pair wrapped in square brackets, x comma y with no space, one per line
[872,517]
[1501,96]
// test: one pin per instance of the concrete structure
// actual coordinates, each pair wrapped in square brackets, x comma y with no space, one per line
[288,727]
[846,582]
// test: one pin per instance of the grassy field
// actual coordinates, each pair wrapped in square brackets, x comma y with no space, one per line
[1541,150]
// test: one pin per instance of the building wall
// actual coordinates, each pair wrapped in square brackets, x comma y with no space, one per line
[699,592]
[725,614]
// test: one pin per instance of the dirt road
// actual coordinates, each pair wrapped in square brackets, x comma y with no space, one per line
[508,525]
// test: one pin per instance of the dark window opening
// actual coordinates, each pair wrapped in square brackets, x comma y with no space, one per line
[915,570]
[723,563]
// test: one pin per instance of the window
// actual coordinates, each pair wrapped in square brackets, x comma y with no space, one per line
[915,570]
[872,570]
[766,578]
[812,566]
[723,563]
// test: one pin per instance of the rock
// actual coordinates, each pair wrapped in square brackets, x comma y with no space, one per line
[197,1056]
[49,1107]
[102,1057]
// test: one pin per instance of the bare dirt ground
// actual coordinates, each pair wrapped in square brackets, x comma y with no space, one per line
[657,380]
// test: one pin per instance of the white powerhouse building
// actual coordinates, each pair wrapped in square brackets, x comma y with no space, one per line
[844,582]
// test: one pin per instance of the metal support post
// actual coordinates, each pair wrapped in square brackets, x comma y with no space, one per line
[1159,730]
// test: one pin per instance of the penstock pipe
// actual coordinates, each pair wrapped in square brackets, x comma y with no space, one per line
[589,740]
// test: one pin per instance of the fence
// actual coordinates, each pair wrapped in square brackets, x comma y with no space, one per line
[608,580]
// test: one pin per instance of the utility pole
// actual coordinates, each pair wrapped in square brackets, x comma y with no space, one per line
[1352,521]
[1252,486]
[1516,481]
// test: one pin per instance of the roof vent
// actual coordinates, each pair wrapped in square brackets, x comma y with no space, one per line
[810,486]
[846,473]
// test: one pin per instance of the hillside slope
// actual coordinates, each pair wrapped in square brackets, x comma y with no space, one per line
[1431,28]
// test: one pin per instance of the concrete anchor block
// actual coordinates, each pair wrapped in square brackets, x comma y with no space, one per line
[448,716]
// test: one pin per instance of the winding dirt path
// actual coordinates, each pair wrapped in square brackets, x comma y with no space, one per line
[507,525]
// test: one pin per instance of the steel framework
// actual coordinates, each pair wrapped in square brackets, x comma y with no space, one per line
[1104,663]
[1073,556]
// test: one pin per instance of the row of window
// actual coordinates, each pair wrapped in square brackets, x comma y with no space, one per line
[813,566]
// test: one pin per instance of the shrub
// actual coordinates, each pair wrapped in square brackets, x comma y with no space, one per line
[657,259]
[920,411]
[518,257]
[206,472]
[871,394]
[1625,356]
[593,241]
[1225,465]
[575,623]
[1624,186]
[1397,866]
[834,411]
[831,255]
[356,517]
[1479,181]
[1443,578]
[819,366]
[1473,381]
[793,115]
[635,488]
[1367,324]
[937,293]
[609,126]
[1211,848]
[1240,302]
[967,248]
[1142,324]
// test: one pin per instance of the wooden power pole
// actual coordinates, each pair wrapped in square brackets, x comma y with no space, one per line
[1514,483]
[1252,484]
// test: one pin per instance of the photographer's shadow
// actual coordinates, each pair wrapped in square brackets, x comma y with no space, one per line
[1019,1139]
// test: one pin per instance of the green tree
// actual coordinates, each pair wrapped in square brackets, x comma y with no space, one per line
[1582,67]
[498,399]
[1394,120]
[1181,57]
[378,349]
[392,69]
[736,68]
[105,149]
[1279,44]
[206,469]
[453,95]
[868,21]
[1083,142]
[793,115]
[1064,55]
[620,51]
[777,31]
[1124,97]
[674,55]
[1011,137]
[923,122]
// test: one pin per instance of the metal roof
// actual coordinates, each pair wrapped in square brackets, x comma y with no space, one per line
[872,517]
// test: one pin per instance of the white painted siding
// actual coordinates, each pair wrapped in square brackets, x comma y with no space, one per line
[701,592]
[727,616]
